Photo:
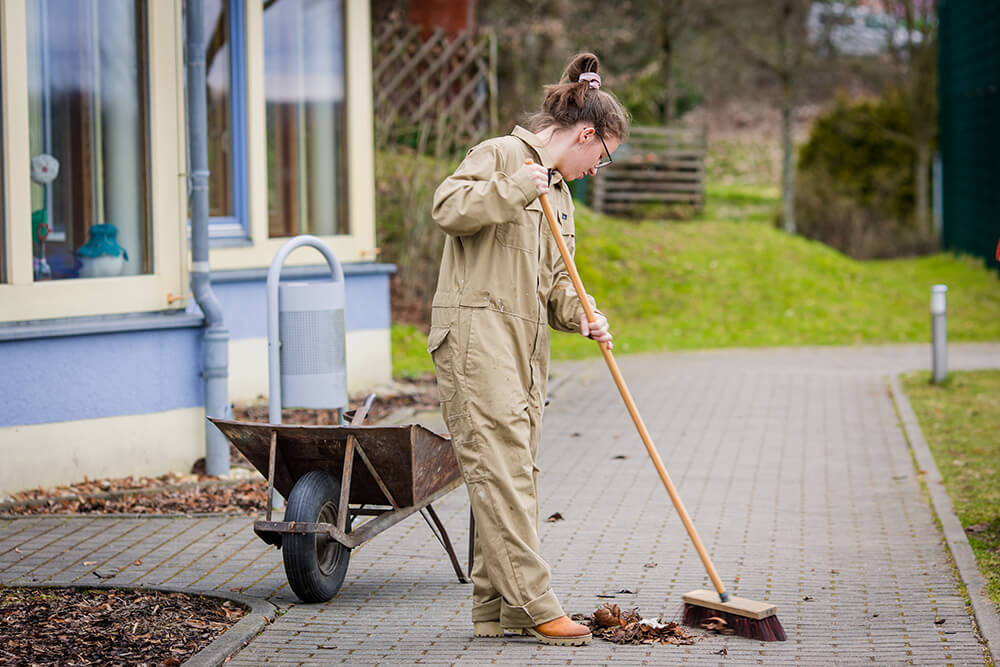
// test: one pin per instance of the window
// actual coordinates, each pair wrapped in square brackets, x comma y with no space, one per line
[225,72]
[87,96]
[306,124]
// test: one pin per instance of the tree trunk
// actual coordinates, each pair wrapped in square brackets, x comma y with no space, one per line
[666,66]
[788,155]
[922,180]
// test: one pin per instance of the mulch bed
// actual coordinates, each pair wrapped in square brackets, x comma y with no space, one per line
[67,626]
[166,494]
[198,493]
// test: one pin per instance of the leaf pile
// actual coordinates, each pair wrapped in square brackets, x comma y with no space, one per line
[109,485]
[419,393]
[245,498]
[65,626]
[611,624]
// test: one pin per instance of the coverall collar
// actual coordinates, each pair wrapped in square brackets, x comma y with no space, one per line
[536,144]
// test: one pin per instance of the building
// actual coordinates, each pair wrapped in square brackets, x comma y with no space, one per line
[100,341]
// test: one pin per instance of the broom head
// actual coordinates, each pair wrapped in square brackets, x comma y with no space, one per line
[747,618]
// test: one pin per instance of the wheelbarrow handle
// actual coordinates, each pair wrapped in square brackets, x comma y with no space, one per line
[627,397]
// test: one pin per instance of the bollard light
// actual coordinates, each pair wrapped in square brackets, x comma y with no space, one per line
[939,332]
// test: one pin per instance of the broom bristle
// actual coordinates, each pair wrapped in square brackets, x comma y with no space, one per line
[766,629]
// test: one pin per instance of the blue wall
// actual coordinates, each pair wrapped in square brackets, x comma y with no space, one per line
[99,375]
[244,301]
[89,371]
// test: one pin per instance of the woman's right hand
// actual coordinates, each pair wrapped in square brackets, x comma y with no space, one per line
[538,174]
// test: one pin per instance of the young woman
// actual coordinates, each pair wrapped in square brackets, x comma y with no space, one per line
[502,284]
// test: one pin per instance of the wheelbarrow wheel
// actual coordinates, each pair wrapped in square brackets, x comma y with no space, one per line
[315,564]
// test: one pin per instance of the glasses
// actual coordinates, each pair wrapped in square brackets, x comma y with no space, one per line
[604,163]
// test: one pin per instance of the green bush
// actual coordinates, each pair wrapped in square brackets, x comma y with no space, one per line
[856,187]
[407,236]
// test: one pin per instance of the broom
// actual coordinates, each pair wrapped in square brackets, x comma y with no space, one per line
[747,618]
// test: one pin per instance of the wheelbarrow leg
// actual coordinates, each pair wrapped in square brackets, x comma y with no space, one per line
[442,535]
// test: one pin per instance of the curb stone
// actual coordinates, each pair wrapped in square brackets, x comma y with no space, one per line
[958,542]
[230,642]
[261,613]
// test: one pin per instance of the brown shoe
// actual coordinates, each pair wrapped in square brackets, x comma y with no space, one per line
[561,632]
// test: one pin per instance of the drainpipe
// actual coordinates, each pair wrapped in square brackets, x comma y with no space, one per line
[215,340]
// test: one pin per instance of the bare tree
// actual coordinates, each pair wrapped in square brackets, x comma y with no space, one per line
[913,46]
[773,37]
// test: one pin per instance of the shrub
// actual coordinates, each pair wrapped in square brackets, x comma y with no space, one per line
[855,187]
[407,236]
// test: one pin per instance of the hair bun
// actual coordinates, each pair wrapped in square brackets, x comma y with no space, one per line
[579,64]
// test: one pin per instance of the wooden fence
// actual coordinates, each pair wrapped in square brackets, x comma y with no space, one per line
[438,95]
[657,167]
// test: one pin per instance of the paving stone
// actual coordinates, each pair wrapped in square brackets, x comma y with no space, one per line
[791,463]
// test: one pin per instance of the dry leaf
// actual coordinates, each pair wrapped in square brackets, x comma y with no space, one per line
[715,623]
[939,621]
[609,615]
[555,517]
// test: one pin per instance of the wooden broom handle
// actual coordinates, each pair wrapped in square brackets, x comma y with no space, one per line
[627,397]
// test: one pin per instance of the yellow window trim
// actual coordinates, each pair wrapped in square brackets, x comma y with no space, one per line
[359,245]
[22,299]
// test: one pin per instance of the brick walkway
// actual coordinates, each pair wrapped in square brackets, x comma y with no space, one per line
[791,462]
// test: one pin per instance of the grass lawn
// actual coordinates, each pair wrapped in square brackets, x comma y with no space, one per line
[719,282]
[961,422]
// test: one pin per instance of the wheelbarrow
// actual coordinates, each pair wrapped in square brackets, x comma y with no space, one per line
[402,470]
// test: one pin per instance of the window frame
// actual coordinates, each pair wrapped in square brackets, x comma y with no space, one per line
[358,244]
[23,299]
[237,226]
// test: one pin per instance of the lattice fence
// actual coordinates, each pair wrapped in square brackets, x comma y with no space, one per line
[658,167]
[438,94]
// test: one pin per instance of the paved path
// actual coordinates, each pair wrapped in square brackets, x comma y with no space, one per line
[791,462]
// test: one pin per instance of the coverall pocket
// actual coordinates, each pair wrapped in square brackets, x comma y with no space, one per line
[569,238]
[521,233]
[443,354]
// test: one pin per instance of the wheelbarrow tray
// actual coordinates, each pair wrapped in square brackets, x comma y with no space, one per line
[413,462]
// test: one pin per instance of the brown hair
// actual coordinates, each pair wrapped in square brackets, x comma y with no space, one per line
[570,101]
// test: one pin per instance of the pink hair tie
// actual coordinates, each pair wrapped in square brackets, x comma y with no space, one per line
[593,77]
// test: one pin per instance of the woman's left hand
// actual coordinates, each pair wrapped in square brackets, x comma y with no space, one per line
[597,330]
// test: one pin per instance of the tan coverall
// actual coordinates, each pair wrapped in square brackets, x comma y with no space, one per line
[502,284]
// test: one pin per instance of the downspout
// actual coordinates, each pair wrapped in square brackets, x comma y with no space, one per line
[215,340]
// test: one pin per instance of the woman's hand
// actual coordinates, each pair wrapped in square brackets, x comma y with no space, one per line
[538,174]
[597,330]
